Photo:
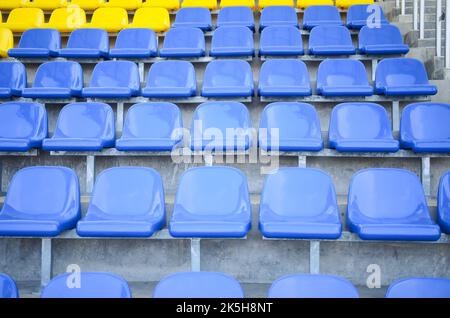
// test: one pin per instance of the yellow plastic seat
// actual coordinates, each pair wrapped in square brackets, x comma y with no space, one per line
[238,3]
[46,4]
[303,4]
[157,19]
[268,3]
[6,42]
[88,4]
[11,4]
[209,4]
[347,3]
[109,19]
[66,19]
[22,19]
[126,4]
[166,4]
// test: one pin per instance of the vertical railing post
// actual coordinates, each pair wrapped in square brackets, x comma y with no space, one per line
[397,3]
[438,28]
[403,8]
[415,15]
[447,33]
[422,20]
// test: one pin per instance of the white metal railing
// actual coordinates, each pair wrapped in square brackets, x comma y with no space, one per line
[447,34]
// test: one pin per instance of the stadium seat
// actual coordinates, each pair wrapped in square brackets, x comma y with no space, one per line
[221,126]
[343,77]
[268,3]
[58,79]
[312,286]
[83,127]
[37,43]
[386,39]
[228,78]
[419,287]
[125,4]
[424,127]
[41,202]
[297,124]
[443,204]
[361,127]
[281,40]
[236,16]
[135,43]
[91,285]
[86,43]
[126,202]
[157,19]
[303,4]
[171,79]
[232,41]
[238,3]
[198,285]
[284,77]
[6,41]
[13,79]
[114,79]
[330,40]
[359,15]
[183,42]
[278,15]
[402,76]
[167,4]
[321,15]
[348,3]
[194,18]
[196,212]
[88,4]
[66,19]
[208,4]
[22,126]
[151,127]
[46,4]
[395,208]
[109,19]
[11,4]
[22,19]
[299,203]
[8,288]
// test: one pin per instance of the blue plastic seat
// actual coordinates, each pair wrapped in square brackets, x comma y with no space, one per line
[126,202]
[13,79]
[37,43]
[281,40]
[8,288]
[419,287]
[444,203]
[395,208]
[343,77]
[196,212]
[236,16]
[232,41]
[402,76]
[151,127]
[83,127]
[312,286]
[278,15]
[41,202]
[297,127]
[135,44]
[213,124]
[22,126]
[91,285]
[284,77]
[386,39]
[330,40]
[359,14]
[194,18]
[299,203]
[59,79]
[424,127]
[171,79]
[114,79]
[228,78]
[321,15]
[198,285]
[361,127]
[183,42]
[86,43]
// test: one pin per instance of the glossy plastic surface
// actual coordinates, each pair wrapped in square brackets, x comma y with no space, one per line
[46,4]
[232,41]
[303,4]
[419,287]
[364,15]
[135,43]
[13,79]
[330,40]
[321,15]
[236,16]
[157,19]
[88,4]
[444,203]
[209,4]
[37,43]
[268,3]
[109,19]
[66,19]
[281,40]
[8,288]
[86,43]
[278,15]
[348,3]
[6,41]
[386,39]
[194,18]
[22,19]
[167,4]
[11,4]
[126,4]
[183,42]
[238,3]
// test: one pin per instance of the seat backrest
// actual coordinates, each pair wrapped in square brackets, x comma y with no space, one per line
[145,15]
[284,72]
[237,3]
[13,75]
[268,3]
[373,14]
[341,72]
[282,35]
[192,14]
[228,73]
[232,36]
[88,4]
[324,14]
[41,38]
[64,74]
[72,17]
[209,4]
[89,38]
[136,38]
[12,4]
[237,15]
[171,73]
[198,285]
[6,40]
[91,285]
[400,72]
[46,4]
[23,120]
[279,15]
[126,4]
[184,37]
[116,74]
[420,287]
[103,15]
[329,35]
[168,4]
[29,16]
[8,288]
[385,34]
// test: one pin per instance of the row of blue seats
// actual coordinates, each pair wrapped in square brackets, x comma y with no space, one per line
[222,78]
[284,126]
[219,285]
[296,203]
[227,41]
